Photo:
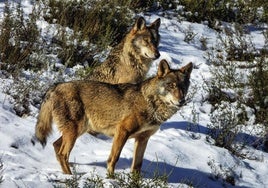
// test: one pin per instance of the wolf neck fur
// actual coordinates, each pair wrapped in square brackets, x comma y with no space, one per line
[158,110]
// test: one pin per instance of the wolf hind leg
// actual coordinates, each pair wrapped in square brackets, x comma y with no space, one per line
[63,147]
[57,145]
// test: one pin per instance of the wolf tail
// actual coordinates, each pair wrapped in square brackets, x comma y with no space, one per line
[44,122]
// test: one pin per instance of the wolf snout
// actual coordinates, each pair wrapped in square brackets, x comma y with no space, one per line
[152,56]
[182,102]
[156,55]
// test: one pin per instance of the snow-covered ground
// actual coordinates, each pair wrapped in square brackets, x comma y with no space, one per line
[171,149]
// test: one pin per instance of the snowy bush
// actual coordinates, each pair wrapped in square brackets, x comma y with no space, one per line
[121,180]
[258,99]
[25,93]
[215,11]
[238,81]
[222,173]
[225,127]
[19,37]
[86,28]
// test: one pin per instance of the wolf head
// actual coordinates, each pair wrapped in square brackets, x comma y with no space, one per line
[172,85]
[145,39]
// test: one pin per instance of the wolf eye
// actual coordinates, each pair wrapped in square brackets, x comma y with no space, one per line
[146,41]
[172,85]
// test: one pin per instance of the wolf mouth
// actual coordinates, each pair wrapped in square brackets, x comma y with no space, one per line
[154,57]
[179,104]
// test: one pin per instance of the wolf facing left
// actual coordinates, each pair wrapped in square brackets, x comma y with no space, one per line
[121,111]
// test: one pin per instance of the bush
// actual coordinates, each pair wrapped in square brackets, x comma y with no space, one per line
[259,85]
[242,12]
[20,50]
[225,78]
[233,55]
[258,99]
[225,127]
[238,81]
[223,173]
[94,25]
[19,38]
[121,180]
[25,93]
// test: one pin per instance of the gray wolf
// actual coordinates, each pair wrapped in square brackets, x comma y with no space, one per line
[131,59]
[121,111]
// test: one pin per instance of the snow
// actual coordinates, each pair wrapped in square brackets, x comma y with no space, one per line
[173,149]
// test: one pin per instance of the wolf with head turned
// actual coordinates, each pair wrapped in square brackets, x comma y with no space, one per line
[131,59]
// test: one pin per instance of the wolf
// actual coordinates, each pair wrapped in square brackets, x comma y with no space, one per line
[131,59]
[121,111]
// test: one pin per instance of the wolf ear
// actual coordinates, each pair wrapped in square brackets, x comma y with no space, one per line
[163,68]
[139,24]
[187,69]
[156,24]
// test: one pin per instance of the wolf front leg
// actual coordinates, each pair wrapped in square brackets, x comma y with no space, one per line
[120,139]
[140,145]
[138,153]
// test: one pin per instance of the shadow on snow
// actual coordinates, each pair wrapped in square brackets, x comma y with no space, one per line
[174,173]
[244,138]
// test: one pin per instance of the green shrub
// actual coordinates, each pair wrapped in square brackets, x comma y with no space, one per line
[19,38]
[129,180]
[234,52]
[258,99]
[238,81]
[225,126]
[259,84]
[25,93]
[20,50]
[121,180]
[94,25]
[240,11]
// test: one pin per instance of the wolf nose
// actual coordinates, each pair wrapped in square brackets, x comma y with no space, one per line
[157,55]
[182,102]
